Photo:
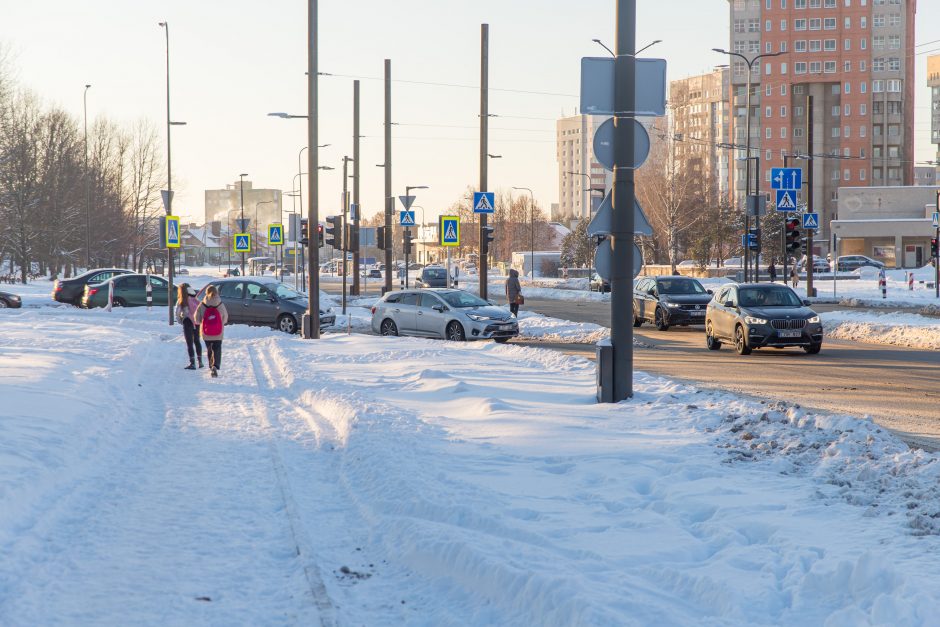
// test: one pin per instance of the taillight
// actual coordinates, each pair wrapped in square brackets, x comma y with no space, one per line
[373,310]
[57,287]
[92,291]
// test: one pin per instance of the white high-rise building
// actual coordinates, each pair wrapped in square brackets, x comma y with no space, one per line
[582,181]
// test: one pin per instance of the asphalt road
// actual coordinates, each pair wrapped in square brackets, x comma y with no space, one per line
[898,387]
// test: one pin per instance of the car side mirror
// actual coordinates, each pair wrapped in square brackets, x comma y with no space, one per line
[710,292]
[438,308]
[806,302]
[729,303]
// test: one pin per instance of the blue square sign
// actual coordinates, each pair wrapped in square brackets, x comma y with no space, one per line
[483,202]
[786,178]
[810,220]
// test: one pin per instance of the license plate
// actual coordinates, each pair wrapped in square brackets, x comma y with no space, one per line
[698,313]
[789,333]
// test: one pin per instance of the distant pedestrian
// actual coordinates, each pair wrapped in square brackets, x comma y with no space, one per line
[186,305]
[456,273]
[794,277]
[514,292]
[772,271]
[212,316]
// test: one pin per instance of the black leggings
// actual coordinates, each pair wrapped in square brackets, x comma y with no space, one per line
[514,308]
[214,353]
[193,345]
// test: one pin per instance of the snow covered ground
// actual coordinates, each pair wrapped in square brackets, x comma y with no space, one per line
[385,481]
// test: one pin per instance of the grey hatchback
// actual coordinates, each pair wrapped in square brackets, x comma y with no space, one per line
[443,313]
[260,301]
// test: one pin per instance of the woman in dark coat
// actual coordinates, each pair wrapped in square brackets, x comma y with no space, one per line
[513,292]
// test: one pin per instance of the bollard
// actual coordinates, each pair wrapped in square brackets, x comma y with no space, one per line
[910,281]
[110,294]
[149,294]
[882,283]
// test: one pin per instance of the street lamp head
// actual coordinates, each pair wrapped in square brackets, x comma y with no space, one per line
[162,24]
[601,44]
[87,86]
[325,167]
[279,114]
[720,50]
[494,156]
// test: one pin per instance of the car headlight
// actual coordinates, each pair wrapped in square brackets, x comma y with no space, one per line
[813,320]
[673,305]
[477,317]
[753,320]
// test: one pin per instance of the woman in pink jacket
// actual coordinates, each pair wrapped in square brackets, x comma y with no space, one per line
[186,305]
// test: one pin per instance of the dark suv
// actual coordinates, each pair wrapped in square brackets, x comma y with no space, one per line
[669,300]
[432,276]
[71,290]
[260,301]
[761,315]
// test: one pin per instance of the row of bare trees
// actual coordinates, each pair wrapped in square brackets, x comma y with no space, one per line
[56,213]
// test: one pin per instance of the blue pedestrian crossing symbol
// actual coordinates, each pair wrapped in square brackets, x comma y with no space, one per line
[483,202]
[172,232]
[786,200]
[276,234]
[242,242]
[406,218]
[810,220]
[450,231]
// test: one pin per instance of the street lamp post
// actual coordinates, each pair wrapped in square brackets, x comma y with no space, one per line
[747,143]
[87,199]
[241,225]
[531,228]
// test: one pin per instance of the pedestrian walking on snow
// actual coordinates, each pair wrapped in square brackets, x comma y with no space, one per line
[514,292]
[211,316]
[186,305]
[794,277]
[772,271]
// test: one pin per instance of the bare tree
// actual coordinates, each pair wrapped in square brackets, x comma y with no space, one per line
[141,184]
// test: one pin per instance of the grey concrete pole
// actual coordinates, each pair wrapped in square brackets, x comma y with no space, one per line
[312,318]
[169,178]
[355,189]
[87,197]
[484,148]
[389,201]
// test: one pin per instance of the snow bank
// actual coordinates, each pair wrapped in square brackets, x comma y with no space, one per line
[897,329]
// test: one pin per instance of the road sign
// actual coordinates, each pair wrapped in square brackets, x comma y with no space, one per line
[172,232]
[786,178]
[242,224]
[407,201]
[597,86]
[276,234]
[483,202]
[604,144]
[349,256]
[603,256]
[786,200]
[602,224]
[810,220]
[242,242]
[167,197]
[936,219]
[757,205]
[353,211]
[406,218]
[450,231]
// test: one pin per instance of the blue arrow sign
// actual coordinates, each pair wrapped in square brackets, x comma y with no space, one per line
[483,202]
[786,178]
[406,218]
[786,200]
[810,220]
[276,234]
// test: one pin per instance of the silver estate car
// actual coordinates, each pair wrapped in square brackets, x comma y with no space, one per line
[444,313]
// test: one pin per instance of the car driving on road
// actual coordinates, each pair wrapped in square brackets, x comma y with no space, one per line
[261,301]
[442,313]
[432,276]
[669,300]
[761,315]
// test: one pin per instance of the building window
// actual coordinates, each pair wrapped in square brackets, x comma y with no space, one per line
[799,45]
[861,175]
[769,112]
[877,86]
[878,64]
[847,110]
[829,45]
[783,25]
[894,64]
[847,131]
[894,130]
[783,132]
[798,131]
[836,89]
[876,173]
[815,67]
[783,68]
[894,42]
[799,4]
[863,109]
[894,19]
[783,89]
[846,175]
[894,107]
[829,23]
[768,47]
[767,70]
[863,87]
[769,155]
[769,90]
[783,46]
[836,175]
[768,133]
[799,90]
[830,4]
[768,25]
[799,67]
[862,65]
[846,44]
[836,111]
[815,45]
[878,42]
[847,67]
[894,173]
[848,23]
[894,86]
[830,67]
[836,131]
[815,23]
[753,25]
[878,21]
[894,151]
[783,111]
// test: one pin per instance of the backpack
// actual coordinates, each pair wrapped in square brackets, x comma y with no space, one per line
[211,322]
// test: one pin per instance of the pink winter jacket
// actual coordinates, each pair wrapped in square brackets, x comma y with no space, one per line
[187,309]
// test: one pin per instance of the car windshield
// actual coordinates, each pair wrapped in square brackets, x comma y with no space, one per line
[286,293]
[768,297]
[435,273]
[463,299]
[680,286]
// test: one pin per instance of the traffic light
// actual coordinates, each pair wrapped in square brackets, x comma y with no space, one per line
[380,238]
[334,232]
[320,235]
[407,242]
[793,243]
[304,232]
[352,238]
[933,247]
[487,232]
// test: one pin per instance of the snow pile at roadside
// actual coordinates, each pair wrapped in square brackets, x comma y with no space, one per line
[897,329]
[555,330]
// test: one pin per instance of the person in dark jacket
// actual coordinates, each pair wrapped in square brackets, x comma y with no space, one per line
[186,305]
[514,292]
[772,271]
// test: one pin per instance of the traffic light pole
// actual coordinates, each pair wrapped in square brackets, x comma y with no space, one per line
[484,129]
[311,320]
[345,227]
[810,291]
[355,190]
[389,201]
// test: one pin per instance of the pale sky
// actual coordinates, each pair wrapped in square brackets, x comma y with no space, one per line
[233,62]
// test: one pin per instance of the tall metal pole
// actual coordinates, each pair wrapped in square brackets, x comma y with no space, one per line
[783,231]
[87,197]
[241,201]
[621,276]
[747,172]
[812,195]
[355,190]
[345,227]
[169,178]
[484,148]
[389,201]
[300,198]
[312,317]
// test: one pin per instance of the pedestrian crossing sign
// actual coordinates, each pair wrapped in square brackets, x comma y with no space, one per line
[450,231]
[810,220]
[406,218]
[483,202]
[786,200]
[242,242]
[276,234]
[172,232]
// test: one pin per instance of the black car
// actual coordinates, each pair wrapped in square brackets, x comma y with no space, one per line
[669,300]
[599,283]
[260,301]
[432,276]
[11,301]
[759,315]
[70,291]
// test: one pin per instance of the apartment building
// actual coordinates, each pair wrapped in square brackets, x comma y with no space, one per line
[581,179]
[854,60]
[933,81]
[262,207]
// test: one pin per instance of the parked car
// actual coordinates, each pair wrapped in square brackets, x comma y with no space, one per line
[848,263]
[442,313]
[265,301]
[182,271]
[130,290]
[599,284]
[761,315]
[669,300]
[71,291]
[432,276]
[373,274]
[11,301]
[232,272]
[819,264]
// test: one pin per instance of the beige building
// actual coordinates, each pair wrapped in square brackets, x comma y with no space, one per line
[262,207]
[856,60]
[933,81]
[699,109]
[581,180]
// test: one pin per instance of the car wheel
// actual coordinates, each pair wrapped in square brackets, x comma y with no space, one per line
[287,324]
[740,342]
[500,340]
[813,349]
[388,327]
[711,342]
[455,332]
[660,319]
[118,302]
[3,304]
